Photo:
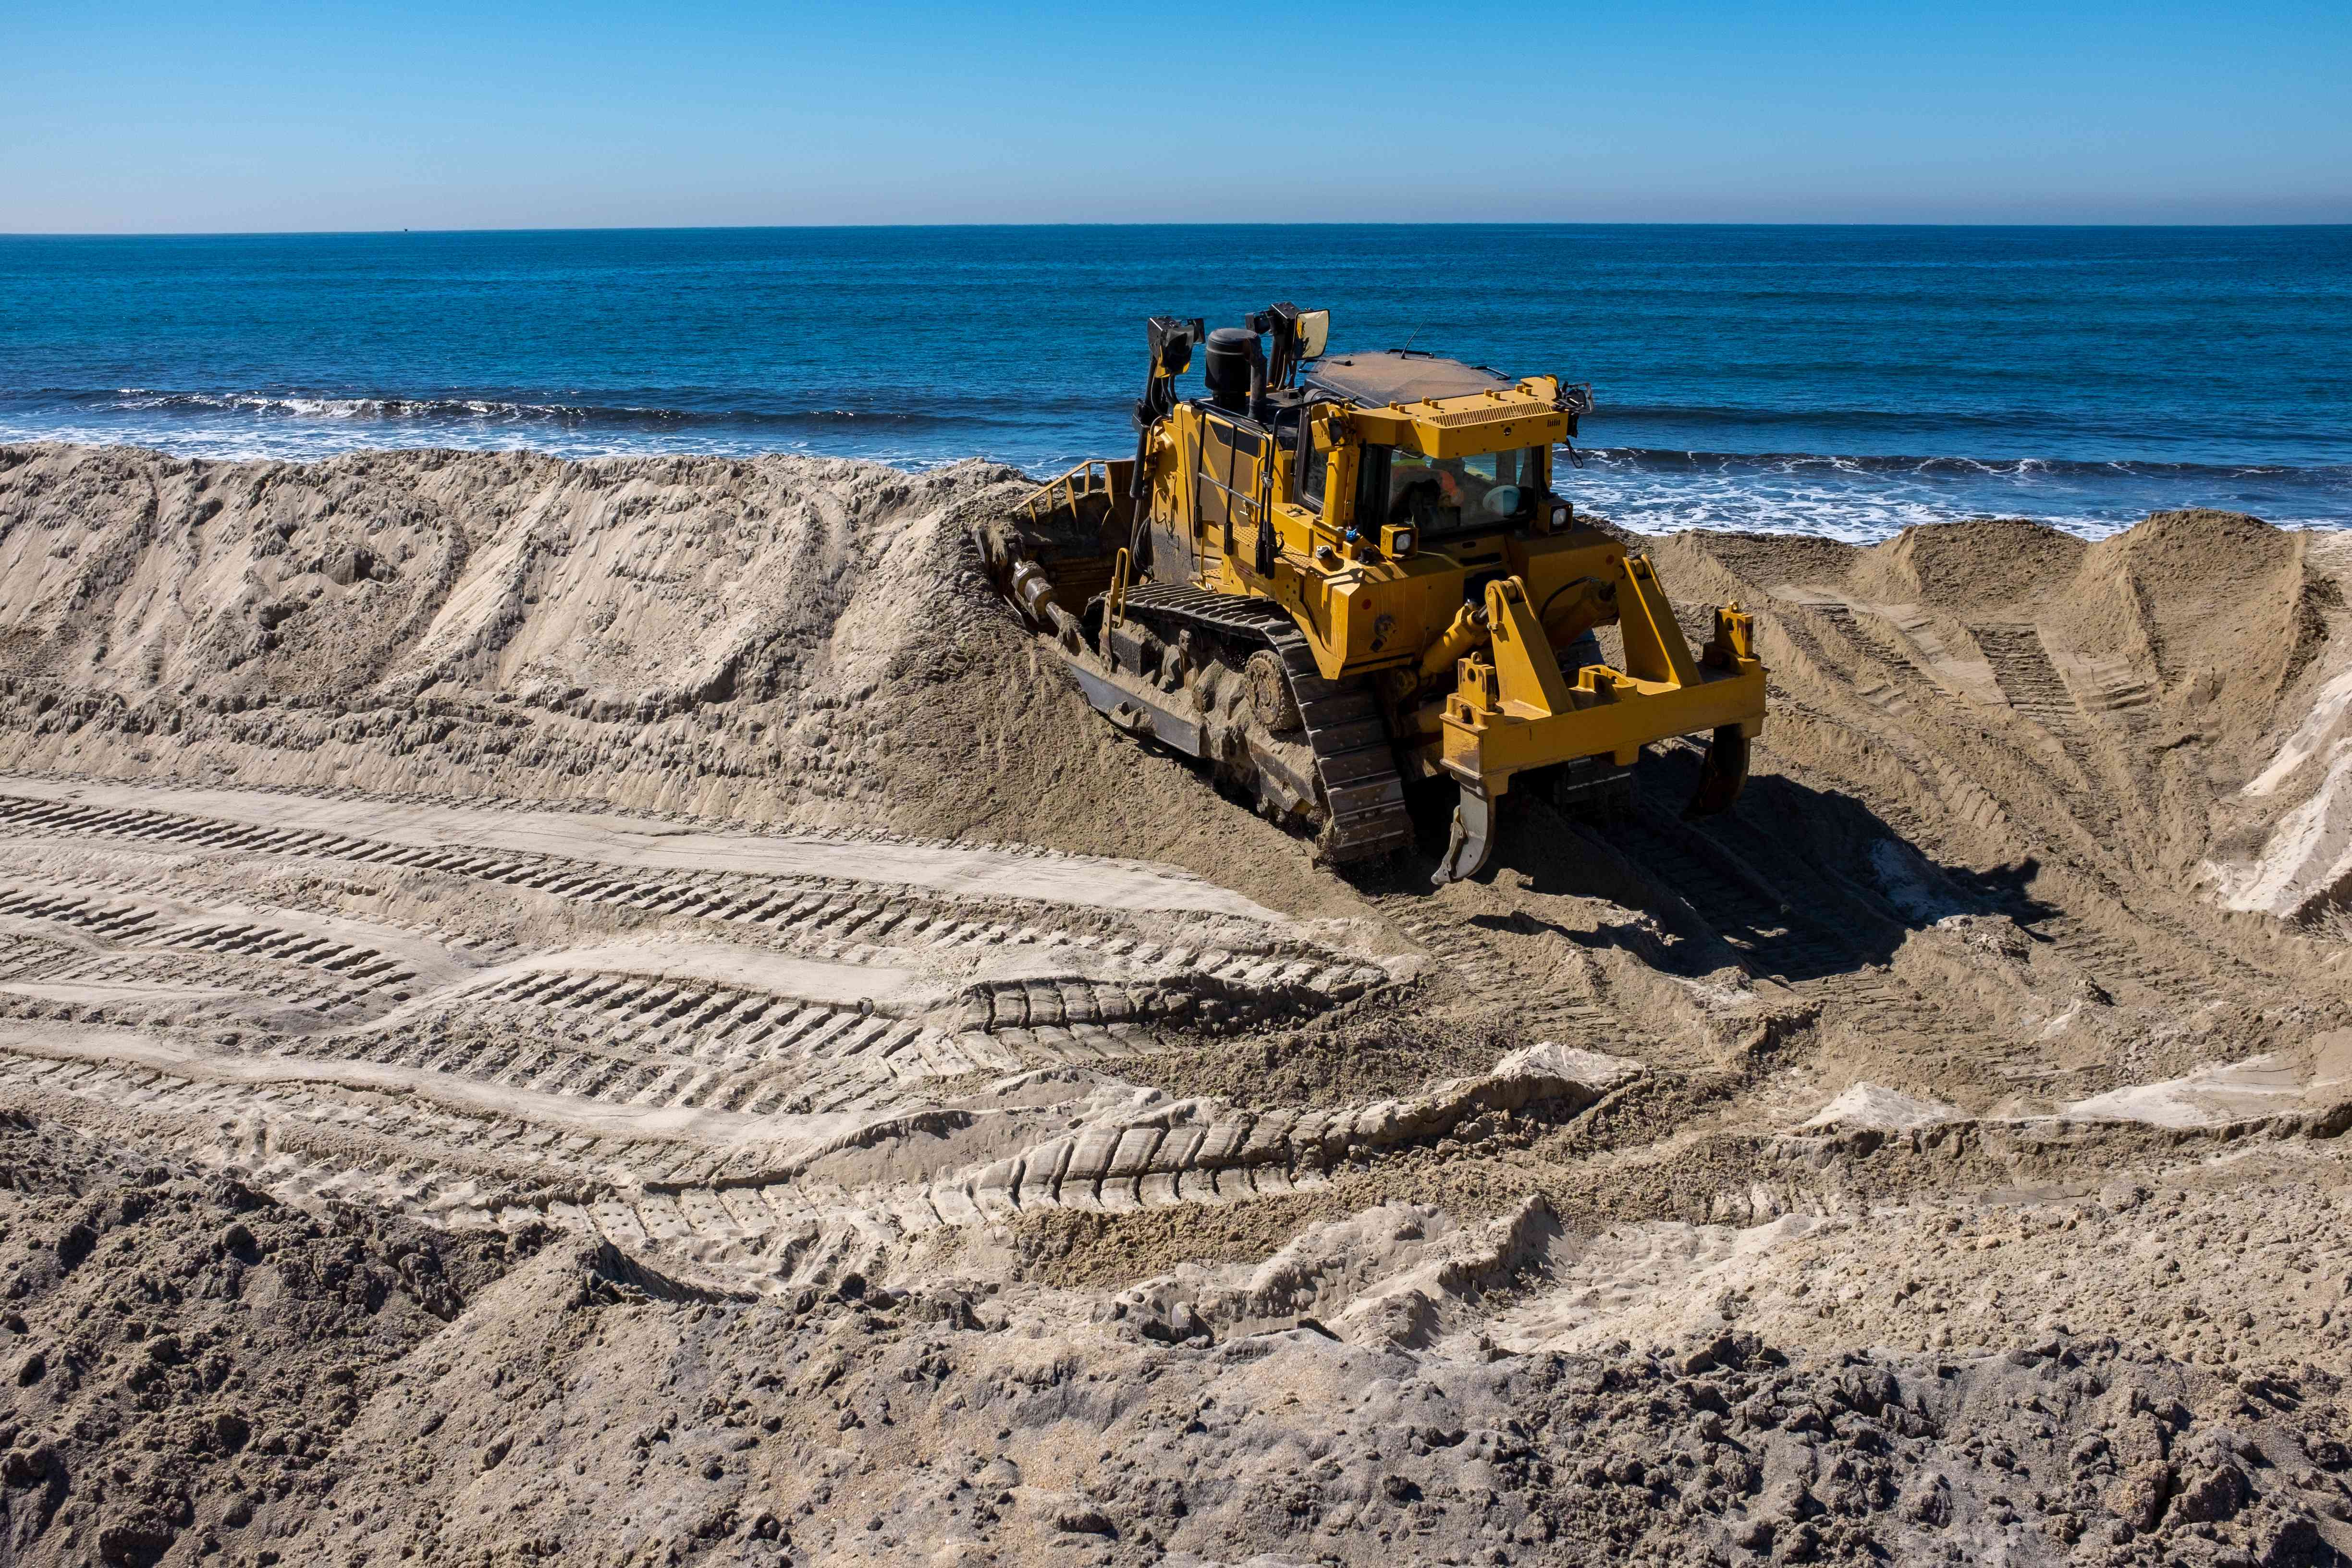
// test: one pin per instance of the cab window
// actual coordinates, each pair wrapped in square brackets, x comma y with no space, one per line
[1453,495]
[1310,464]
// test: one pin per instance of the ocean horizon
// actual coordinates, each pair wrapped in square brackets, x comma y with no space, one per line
[1844,381]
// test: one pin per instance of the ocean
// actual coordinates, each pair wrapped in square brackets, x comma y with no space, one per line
[1835,381]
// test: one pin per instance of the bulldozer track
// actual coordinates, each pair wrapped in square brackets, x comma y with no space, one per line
[768,1228]
[331,963]
[964,875]
[1579,1018]
[2022,675]
[662,1045]
[29,958]
[240,1119]
[1884,696]
[359,969]
[2112,695]
[628,1091]
[2030,680]
[777,1227]
[2109,956]
[2111,690]
[711,1127]
[1355,756]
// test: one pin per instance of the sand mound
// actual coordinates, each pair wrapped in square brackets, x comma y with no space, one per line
[2161,704]
[790,640]
[504,621]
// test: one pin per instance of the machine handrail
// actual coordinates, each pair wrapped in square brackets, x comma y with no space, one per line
[1089,478]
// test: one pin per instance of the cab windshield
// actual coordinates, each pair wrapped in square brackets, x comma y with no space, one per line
[1453,495]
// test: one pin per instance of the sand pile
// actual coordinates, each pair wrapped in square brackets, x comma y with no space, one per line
[639,981]
[2162,698]
[787,640]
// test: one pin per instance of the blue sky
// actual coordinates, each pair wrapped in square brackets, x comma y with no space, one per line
[339,116]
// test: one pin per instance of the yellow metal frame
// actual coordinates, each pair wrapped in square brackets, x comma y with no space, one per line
[1115,609]
[1527,414]
[1092,476]
[1513,708]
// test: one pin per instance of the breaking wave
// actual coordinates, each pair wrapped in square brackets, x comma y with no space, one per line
[1648,488]
[462,410]
[1862,499]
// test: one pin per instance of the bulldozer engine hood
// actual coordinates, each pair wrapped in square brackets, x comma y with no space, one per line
[1442,407]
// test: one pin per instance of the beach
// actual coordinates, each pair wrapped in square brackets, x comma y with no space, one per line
[623,1010]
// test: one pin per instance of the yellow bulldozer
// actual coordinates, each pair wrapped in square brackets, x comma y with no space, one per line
[1335,574]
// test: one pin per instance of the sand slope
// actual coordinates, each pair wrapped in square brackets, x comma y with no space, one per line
[786,640]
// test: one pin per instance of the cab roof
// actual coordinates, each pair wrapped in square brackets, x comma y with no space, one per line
[1400,375]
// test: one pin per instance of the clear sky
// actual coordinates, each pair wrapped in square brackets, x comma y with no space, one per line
[178,117]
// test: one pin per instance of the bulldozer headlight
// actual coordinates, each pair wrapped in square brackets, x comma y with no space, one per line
[1559,517]
[1399,540]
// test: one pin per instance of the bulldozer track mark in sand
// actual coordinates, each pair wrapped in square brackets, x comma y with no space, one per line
[650,863]
[801,1227]
[453,1170]
[2110,956]
[361,963]
[453,1085]
[1577,1018]
[250,1116]
[828,918]
[32,958]
[668,1047]
[637,1092]
[2094,709]
[1747,910]
[2131,960]
[2031,682]
[2109,687]
[1887,697]
[2087,816]
[1215,1153]
[1908,641]
[431,1172]
[110,919]
[375,1125]
[1064,1018]
[1914,662]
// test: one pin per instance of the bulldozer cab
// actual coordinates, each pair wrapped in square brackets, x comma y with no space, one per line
[1485,475]
[1442,497]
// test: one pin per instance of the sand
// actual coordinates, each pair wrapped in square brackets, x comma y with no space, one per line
[622,1012]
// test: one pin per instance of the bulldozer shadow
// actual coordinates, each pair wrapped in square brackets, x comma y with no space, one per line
[1792,883]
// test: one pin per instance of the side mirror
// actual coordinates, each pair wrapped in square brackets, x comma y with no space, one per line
[1171,339]
[1314,333]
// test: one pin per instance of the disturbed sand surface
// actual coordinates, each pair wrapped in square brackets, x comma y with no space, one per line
[622,1013]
